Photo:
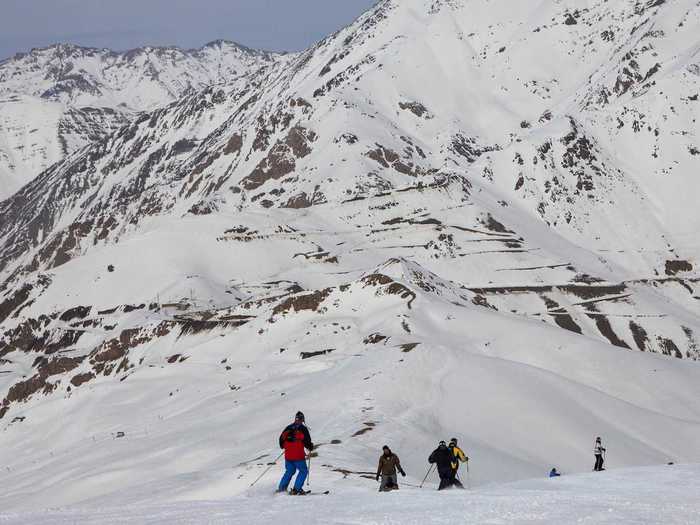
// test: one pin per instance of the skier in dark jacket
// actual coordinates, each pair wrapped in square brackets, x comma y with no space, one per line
[459,457]
[443,457]
[598,452]
[294,439]
[389,463]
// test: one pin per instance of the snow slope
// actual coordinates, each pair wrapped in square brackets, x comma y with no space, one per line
[652,495]
[416,229]
[23,145]
[201,412]
[36,133]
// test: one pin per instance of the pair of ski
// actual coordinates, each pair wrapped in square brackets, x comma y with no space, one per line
[324,493]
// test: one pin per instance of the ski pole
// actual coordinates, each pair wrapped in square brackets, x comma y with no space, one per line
[267,469]
[426,475]
[469,483]
[308,475]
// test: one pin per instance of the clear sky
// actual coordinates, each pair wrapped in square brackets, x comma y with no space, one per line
[279,25]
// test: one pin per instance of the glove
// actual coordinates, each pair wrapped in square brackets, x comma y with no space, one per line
[377,477]
[311,446]
[403,474]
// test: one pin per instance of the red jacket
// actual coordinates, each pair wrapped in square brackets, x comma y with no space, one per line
[293,440]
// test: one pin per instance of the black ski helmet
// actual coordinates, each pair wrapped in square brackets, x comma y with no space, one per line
[453,440]
[597,439]
[442,443]
[300,416]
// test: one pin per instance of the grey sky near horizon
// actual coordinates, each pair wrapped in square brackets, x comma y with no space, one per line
[275,25]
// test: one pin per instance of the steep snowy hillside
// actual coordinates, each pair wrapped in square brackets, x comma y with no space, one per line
[448,218]
[54,101]
[36,133]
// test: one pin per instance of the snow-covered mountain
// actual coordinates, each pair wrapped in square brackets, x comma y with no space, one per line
[55,100]
[138,79]
[451,217]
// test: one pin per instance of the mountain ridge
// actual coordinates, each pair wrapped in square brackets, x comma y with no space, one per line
[190,50]
[78,83]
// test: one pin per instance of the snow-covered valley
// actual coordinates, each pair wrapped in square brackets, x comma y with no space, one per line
[417,229]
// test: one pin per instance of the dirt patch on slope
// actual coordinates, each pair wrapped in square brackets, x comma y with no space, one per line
[678,266]
[299,303]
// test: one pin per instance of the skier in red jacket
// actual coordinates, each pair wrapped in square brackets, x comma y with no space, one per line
[294,439]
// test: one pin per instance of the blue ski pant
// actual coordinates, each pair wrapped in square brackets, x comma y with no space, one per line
[291,467]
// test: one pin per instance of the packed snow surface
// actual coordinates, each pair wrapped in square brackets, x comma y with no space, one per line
[654,495]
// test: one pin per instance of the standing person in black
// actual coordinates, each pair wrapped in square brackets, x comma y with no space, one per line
[598,452]
[443,457]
